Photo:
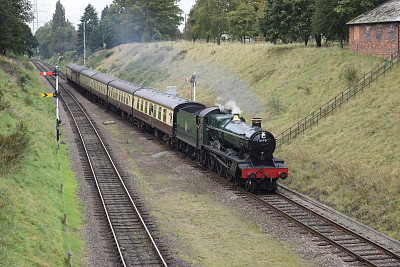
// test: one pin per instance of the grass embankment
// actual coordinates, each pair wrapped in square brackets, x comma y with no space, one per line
[32,231]
[350,161]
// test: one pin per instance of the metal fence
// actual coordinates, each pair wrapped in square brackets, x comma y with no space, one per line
[314,117]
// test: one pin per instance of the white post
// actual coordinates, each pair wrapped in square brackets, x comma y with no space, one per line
[84,43]
[57,107]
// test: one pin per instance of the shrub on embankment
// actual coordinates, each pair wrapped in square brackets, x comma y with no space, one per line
[349,161]
[32,232]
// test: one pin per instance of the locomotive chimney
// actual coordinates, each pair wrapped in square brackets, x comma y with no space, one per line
[256,122]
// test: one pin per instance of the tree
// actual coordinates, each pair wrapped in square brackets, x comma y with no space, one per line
[209,18]
[15,33]
[44,37]
[92,36]
[140,20]
[258,9]
[277,21]
[303,11]
[63,33]
[241,22]
[161,17]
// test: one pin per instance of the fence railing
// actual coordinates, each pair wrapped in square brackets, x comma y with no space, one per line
[314,117]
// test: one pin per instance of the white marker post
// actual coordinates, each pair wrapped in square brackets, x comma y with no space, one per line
[57,106]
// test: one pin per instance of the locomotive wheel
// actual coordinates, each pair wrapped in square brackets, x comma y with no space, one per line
[238,180]
[212,163]
[249,185]
[220,169]
[229,176]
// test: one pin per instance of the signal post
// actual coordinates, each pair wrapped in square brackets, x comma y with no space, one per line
[56,94]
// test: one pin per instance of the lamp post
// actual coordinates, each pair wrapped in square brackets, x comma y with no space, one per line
[84,42]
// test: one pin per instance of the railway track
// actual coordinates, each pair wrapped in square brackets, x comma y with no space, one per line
[132,237]
[351,246]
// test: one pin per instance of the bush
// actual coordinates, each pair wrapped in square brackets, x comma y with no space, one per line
[3,103]
[13,147]
[349,73]
[275,105]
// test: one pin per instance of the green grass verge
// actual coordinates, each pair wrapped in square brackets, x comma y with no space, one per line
[32,232]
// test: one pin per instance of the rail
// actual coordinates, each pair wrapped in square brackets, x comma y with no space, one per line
[314,117]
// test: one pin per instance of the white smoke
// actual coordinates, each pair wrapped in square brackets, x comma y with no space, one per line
[229,105]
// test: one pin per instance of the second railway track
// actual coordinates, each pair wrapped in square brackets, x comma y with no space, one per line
[133,239]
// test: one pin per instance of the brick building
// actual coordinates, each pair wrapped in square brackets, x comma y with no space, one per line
[376,32]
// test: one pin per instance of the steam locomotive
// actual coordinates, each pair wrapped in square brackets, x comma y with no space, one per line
[222,141]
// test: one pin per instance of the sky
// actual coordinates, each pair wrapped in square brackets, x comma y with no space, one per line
[74,9]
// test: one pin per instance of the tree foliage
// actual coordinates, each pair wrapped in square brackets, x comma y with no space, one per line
[91,21]
[56,36]
[139,21]
[15,34]
[287,20]
[284,20]
[241,22]
[209,18]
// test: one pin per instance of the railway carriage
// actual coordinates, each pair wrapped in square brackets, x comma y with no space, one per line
[159,109]
[73,72]
[99,85]
[121,95]
[85,79]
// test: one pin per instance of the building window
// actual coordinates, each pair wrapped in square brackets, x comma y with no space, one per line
[356,32]
[391,33]
[367,33]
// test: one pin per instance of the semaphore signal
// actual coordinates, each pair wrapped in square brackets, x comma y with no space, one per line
[56,94]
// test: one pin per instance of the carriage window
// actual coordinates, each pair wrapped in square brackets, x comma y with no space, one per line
[145,108]
[165,116]
[159,113]
[155,111]
[141,105]
[170,117]
[137,103]
[151,109]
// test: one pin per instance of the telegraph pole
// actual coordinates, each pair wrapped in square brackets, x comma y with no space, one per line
[84,43]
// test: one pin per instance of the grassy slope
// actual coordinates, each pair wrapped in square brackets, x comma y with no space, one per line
[31,228]
[350,161]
